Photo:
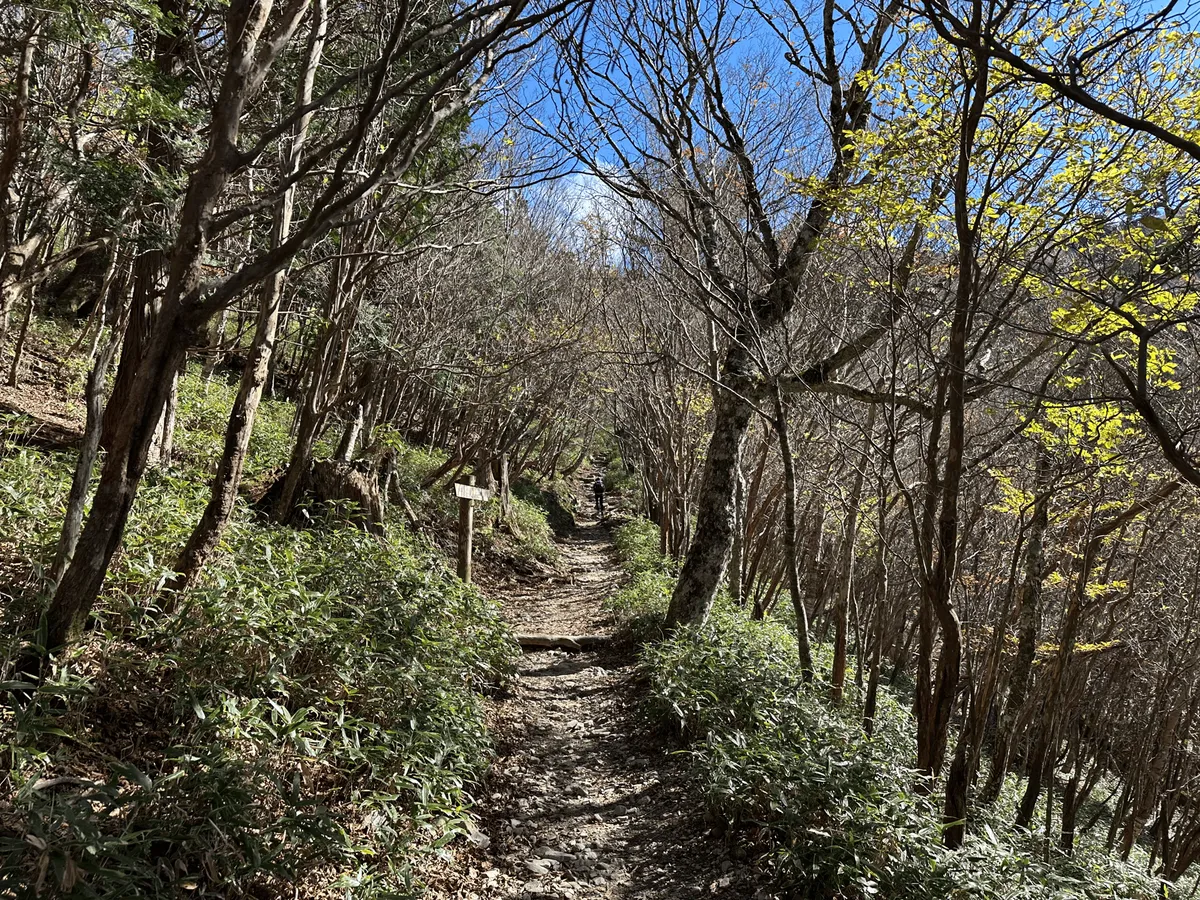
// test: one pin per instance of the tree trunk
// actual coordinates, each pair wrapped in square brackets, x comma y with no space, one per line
[79,292]
[349,441]
[881,588]
[1028,615]
[163,448]
[181,316]
[169,60]
[939,585]
[68,539]
[1143,796]
[11,261]
[791,562]
[708,554]
[707,557]
[737,556]
[504,488]
[147,267]
[328,369]
[14,371]
[1046,840]
[1075,794]
[845,572]
[119,480]
[207,534]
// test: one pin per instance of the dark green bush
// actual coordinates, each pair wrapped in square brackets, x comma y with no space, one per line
[524,538]
[555,498]
[637,548]
[309,713]
[833,813]
[203,414]
[624,486]
[641,603]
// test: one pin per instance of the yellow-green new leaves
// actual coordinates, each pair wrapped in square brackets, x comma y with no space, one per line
[1097,433]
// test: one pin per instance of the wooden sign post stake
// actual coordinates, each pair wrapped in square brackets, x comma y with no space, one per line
[467,495]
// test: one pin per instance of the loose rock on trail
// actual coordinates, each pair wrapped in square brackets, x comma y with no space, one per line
[582,800]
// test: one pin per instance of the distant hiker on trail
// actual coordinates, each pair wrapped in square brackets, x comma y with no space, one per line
[598,492]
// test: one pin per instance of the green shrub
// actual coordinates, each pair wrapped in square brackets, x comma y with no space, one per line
[623,485]
[310,713]
[554,497]
[832,812]
[413,464]
[201,419]
[33,490]
[637,548]
[640,605]
[526,536]
[1011,867]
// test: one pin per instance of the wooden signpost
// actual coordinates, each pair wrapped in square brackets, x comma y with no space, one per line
[467,495]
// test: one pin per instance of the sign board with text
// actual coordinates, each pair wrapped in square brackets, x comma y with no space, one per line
[470,492]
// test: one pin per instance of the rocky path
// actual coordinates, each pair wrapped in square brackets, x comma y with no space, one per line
[583,801]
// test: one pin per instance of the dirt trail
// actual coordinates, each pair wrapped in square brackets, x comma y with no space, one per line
[583,801]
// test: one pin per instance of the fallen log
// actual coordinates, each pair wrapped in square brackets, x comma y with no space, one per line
[573,642]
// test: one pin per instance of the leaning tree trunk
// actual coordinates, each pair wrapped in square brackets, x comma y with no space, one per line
[708,554]
[78,292]
[115,311]
[845,573]
[1029,608]
[181,315]
[939,585]
[207,534]
[119,479]
[328,370]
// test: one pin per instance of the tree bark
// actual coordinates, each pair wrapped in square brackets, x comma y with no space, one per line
[1028,615]
[881,588]
[115,314]
[207,534]
[13,258]
[845,570]
[181,316]
[708,555]
[939,584]
[328,369]
[737,556]
[790,524]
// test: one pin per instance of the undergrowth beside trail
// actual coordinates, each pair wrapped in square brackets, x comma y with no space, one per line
[524,538]
[831,812]
[641,603]
[308,721]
